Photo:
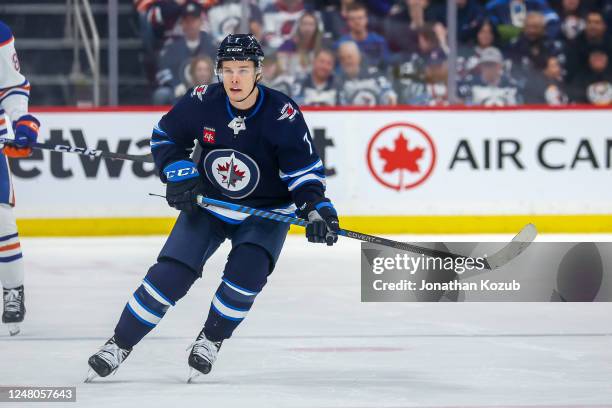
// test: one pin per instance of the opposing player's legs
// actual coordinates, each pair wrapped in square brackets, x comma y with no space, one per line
[11,270]
[256,246]
[192,241]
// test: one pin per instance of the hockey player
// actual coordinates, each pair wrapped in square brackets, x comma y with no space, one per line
[14,94]
[256,151]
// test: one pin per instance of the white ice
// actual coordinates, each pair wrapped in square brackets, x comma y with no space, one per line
[308,341]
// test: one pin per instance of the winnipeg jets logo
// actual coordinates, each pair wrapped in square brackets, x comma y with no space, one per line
[234,173]
[288,112]
[199,91]
[237,124]
[230,173]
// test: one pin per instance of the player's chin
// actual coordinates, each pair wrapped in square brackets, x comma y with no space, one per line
[236,94]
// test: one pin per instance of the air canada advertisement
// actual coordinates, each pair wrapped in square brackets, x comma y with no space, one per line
[376,162]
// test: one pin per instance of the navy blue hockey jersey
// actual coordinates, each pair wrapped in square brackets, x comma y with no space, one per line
[269,162]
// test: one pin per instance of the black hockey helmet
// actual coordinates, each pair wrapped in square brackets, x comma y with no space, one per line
[240,47]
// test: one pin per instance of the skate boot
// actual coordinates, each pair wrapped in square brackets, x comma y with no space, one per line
[107,360]
[202,356]
[14,308]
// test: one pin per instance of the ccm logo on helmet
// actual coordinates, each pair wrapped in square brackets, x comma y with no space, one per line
[234,49]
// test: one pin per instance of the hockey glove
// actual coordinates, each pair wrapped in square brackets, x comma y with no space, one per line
[323,224]
[183,185]
[26,133]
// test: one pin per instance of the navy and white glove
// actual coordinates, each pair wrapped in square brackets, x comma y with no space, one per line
[323,224]
[26,132]
[183,185]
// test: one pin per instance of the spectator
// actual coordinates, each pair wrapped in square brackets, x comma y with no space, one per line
[572,15]
[274,77]
[490,87]
[594,36]
[176,56]
[508,16]
[225,19]
[427,43]
[201,71]
[378,10]
[405,21]
[334,18]
[279,19]
[531,49]
[296,54]
[333,14]
[359,85]
[412,67]
[319,88]
[547,87]
[156,19]
[593,85]
[470,16]
[468,58]
[429,89]
[372,46]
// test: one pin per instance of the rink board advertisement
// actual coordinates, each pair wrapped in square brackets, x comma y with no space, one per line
[412,167]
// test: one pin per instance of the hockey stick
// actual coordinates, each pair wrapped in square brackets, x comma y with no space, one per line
[510,251]
[144,158]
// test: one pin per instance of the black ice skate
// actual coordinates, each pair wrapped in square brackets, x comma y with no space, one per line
[107,360]
[202,356]
[14,308]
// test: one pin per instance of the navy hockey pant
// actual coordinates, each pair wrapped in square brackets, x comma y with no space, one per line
[256,246]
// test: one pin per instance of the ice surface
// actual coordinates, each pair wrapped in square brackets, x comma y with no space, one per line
[308,341]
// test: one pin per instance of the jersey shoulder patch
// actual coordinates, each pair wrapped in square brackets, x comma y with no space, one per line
[287,109]
[5,34]
[288,112]
[199,91]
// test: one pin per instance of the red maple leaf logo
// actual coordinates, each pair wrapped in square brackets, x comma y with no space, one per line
[231,177]
[401,158]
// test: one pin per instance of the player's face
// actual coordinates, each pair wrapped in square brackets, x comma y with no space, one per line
[238,78]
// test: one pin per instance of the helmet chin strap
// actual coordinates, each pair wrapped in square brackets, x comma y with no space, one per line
[247,97]
[253,89]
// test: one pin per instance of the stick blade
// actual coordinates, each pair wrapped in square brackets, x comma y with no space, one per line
[514,248]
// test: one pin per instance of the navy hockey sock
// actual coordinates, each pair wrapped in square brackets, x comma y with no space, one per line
[245,275]
[166,282]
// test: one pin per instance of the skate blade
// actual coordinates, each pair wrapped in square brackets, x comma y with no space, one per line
[91,374]
[14,329]
[193,374]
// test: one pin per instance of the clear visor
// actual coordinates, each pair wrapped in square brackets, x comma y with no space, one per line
[241,71]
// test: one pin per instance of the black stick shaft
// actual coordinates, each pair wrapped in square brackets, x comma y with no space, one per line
[346,233]
[144,158]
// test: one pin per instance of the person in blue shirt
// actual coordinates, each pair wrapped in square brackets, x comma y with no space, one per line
[256,150]
[372,46]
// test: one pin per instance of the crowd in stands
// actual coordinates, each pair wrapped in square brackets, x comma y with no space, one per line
[388,52]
